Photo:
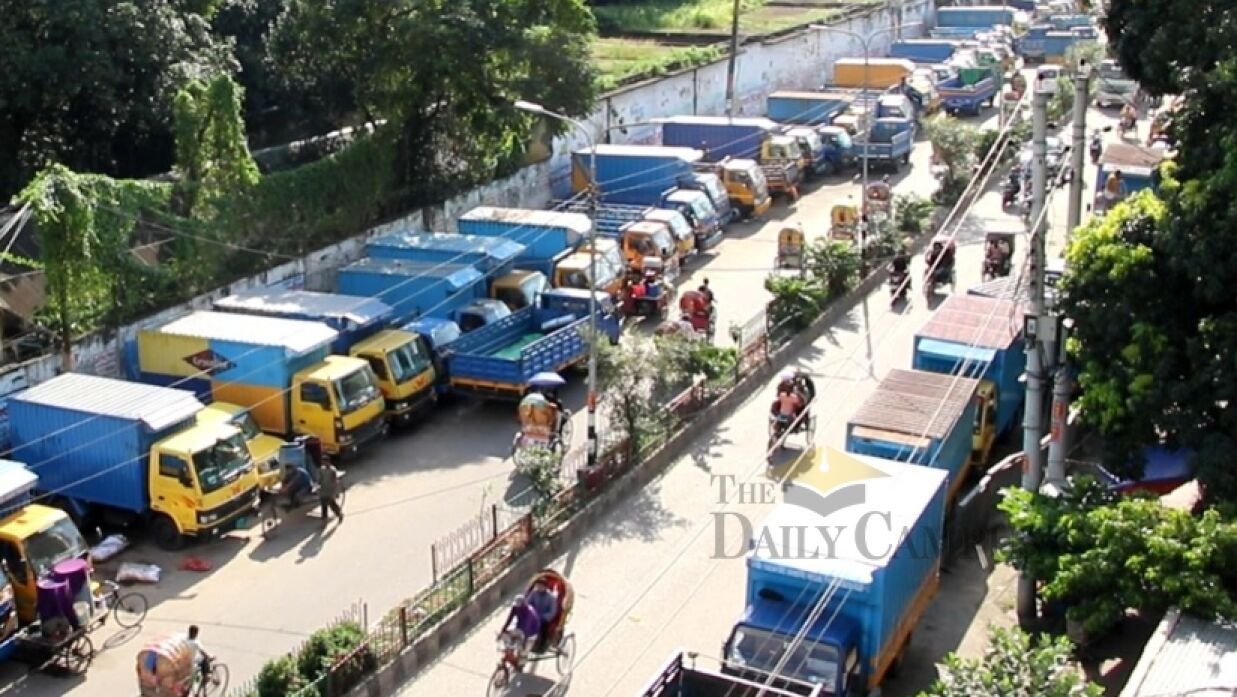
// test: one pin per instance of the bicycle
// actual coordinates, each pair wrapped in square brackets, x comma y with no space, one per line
[128,607]
[216,683]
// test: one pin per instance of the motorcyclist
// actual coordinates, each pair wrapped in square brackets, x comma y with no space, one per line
[1097,144]
[901,263]
[1128,117]
[940,259]
[294,483]
[1013,186]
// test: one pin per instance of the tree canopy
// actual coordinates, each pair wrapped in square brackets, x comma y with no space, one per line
[1151,286]
[1014,664]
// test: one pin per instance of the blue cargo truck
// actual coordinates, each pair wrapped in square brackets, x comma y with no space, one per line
[863,592]
[355,317]
[975,336]
[929,51]
[548,236]
[979,16]
[888,143]
[684,676]
[963,94]
[1045,44]
[414,288]
[817,110]
[498,360]
[780,156]
[919,417]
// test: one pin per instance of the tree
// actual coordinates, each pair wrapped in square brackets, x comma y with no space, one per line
[1014,665]
[953,149]
[211,155]
[1100,555]
[638,377]
[89,83]
[445,75]
[830,269]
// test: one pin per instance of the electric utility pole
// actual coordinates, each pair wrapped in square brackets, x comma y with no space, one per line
[734,59]
[1035,330]
[1059,414]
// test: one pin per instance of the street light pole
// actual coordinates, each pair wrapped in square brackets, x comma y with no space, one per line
[593,193]
[734,59]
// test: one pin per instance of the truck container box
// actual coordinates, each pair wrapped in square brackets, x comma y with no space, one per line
[492,256]
[634,174]
[88,437]
[719,137]
[978,338]
[414,288]
[354,317]
[806,108]
[975,16]
[544,234]
[930,51]
[919,417]
[880,73]
[238,359]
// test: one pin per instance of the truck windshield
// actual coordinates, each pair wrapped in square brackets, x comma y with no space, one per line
[408,361]
[701,207]
[59,541]
[678,224]
[757,649]
[355,390]
[843,139]
[249,428]
[757,175]
[1112,72]
[221,464]
[714,186]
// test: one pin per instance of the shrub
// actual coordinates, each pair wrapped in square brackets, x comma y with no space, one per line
[279,678]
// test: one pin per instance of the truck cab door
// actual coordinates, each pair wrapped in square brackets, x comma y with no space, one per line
[172,491]
[314,413]
[378,364]
[21,576]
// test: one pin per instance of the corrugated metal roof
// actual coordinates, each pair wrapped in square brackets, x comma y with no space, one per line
[976,321]
[461,274]
[157,407]
[690,154]
[814,96]
[875,61]
[578,222]
[1128,155]
[1187,656]
[356,308]
[297,336]
[497,247]
[916,402]
[16,480]
[1007,288]
[757,121]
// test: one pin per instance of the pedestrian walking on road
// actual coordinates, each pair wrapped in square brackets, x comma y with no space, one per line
[328,490]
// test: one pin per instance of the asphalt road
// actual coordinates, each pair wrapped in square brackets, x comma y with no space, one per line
[662,574]
[261,598]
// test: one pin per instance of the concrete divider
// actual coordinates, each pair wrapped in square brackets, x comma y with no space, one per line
[422,652]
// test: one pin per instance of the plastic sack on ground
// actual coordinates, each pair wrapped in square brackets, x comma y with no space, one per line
[108,548]
[138,573]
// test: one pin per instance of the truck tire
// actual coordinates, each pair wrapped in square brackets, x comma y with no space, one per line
[745,212]
[165,534]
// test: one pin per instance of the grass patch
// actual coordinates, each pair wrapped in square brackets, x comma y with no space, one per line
[661,15]
[621,59]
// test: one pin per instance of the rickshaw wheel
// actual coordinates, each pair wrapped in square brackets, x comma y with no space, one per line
[218,682]
[811,428]
[79,653]
[566,653]
[499,681]
[129,609]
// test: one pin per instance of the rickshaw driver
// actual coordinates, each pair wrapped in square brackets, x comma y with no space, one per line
[789,402]
[526,621]
[545,602]
[707,292]
[942,252]
[201,658]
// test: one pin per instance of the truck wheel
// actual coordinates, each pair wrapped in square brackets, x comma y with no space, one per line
[166,535]
[745,212]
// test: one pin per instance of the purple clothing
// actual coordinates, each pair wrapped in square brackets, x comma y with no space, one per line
[526,619]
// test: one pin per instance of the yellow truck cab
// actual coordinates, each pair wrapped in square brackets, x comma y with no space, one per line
[745,185]
[405,370]
[573,271]
[519,288]
[339,399]
[679,228]
[199,478]
[647,238]
[281,369]
[33,538]
[263,448]
[780,148]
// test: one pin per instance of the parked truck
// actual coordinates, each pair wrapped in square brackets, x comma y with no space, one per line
[818,111]
[1138,166]
[745,184]
[974,337]
[970,91]
[710,184]
[888,143]
[979,16]
[1044,44]
[923,51]
[414,288]
[493,256]
[603,270]
[610,219]
[866,590]
[756,139]
[919,417]
[400,360]
[872,73]
[35,538]
[111,451]
[1114,87]
[649,175]
[547,236]
[497,361]
[280,369]
[684,677]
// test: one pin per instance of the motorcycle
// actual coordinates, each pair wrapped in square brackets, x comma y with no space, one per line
[899,284]
[1009,193]
[1097,148]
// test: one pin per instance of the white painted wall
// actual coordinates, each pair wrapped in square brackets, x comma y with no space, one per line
[798,61]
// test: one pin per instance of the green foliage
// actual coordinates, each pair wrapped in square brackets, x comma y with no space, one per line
[637,377]
[669,14]
[1061,105]
[622,61]
[913,213]
[279,678]
[831,268]
[211,155]
[1101,557]
[1015,663]
[85,225]
[1018,136]
[953,150]
[330,647]
[89,83]
[420,67]
[713,362]
[544,469]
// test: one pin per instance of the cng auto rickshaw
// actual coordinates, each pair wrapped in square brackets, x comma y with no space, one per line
[169,667]
[789,248]
[646,292]
[998,255]
[844,219]
[699,311]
